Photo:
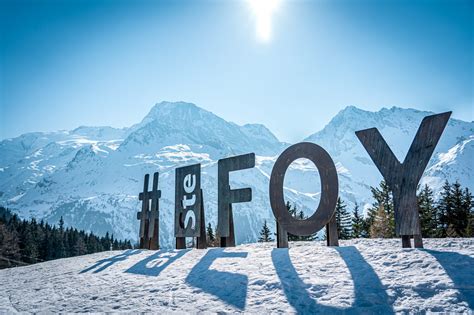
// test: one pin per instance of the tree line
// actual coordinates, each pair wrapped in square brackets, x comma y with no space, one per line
[450,216]
[25,242]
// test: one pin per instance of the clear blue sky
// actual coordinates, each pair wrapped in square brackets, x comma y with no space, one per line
[70,63]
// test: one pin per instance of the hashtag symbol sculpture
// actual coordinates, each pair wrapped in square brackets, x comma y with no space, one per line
[149,216]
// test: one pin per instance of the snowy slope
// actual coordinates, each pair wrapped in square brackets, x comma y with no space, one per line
[361,276]
[92,175]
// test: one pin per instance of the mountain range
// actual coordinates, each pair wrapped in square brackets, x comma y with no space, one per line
[91,176]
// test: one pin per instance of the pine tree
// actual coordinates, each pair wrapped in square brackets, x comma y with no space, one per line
[92,244]
[116,245]
[49,243]
[311,237]
[9,247]
[292,211]
[459,217]
[5,215]
[366,223]
[427,210]
[60,240]
[343,220]
[451,231]
[443,209]
[61,224]
[106,241]
[70,239]
[211,239]
[265,234]
[454,211]
[380,227]
[43,249]
[301,215]
[29,251]
[470,226]
[383,197]
[468,204]
[357,223]
[80,247]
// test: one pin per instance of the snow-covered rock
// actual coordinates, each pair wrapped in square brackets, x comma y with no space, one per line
[371,276]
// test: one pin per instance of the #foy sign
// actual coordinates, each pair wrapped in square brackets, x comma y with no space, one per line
[402,178]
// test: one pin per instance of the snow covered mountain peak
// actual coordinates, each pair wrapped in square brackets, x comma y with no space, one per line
[170,123]
[259,131]
[349,111]
[167,112]
[354,117]
[394,123]
[398,126]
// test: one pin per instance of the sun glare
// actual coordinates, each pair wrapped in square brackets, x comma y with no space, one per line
[263,11]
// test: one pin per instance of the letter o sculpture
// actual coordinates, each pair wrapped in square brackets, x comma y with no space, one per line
[329,189]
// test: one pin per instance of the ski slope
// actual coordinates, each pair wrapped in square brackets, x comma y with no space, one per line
[360,276]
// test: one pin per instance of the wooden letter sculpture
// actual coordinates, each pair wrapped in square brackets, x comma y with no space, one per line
[324,214]
[403,178]
[189,207]
[149,217]
[227,196]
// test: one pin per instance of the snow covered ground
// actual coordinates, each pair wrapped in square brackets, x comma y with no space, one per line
[361,276]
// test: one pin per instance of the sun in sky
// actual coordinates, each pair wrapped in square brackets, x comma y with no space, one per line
[263,11]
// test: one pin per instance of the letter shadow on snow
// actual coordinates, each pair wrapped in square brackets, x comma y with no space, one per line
[460,268]
[154,264]
[103,264]
[370,295]
[227,286]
